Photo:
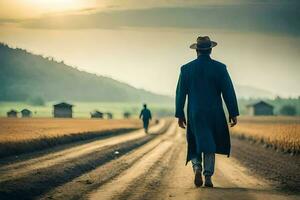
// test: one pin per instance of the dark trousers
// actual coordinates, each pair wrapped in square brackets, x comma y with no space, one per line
[146,125]
[208,163]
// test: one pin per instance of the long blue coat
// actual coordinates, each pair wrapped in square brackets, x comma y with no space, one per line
[205,81]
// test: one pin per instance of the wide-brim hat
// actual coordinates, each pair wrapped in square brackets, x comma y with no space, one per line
[203,43]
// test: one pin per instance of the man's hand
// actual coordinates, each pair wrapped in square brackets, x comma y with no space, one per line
[182,123]
[232,121]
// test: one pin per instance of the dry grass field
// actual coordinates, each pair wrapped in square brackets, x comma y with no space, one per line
[26,135]
[32,128]
[282,133]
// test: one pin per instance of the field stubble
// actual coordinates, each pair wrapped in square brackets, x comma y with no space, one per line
[25,135]
[280,133]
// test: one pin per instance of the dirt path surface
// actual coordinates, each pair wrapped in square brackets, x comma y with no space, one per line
[231,181]
[162,175]
[132,166]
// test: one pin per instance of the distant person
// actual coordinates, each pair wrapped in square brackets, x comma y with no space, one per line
[146,117]
[203,81]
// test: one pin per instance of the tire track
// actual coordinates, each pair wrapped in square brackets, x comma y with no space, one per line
[31,181]
[231,181]
[145,187]
[79,187]
[15,170]
[42,180]
[121,186]
[118,186]
[165,176]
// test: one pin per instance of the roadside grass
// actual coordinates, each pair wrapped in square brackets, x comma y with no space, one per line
[278,132]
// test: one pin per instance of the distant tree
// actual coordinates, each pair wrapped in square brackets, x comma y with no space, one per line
[36,101]
[288,110]
[278,98]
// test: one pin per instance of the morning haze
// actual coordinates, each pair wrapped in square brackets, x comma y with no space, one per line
[130,99]
[138,44]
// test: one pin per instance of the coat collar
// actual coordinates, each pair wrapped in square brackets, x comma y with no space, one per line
[204,57]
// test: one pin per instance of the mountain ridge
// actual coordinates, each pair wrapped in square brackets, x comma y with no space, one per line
[25,75]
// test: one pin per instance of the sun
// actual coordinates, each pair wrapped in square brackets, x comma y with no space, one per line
[18,9]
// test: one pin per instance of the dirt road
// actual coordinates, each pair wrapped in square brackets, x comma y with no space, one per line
[129,166]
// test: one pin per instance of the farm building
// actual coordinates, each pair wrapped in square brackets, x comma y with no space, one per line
[96,114]
[12,113]
[26,113]
[109,115]
[62,110]
[127,115]
[260,108]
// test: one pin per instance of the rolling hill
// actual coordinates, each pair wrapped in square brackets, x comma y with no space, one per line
[24,75]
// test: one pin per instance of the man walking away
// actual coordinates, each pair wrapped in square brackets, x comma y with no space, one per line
[146,117]
[204,80]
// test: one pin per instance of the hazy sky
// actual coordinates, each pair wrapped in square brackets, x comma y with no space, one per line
[145,43]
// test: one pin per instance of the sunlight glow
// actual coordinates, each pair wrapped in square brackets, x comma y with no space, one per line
[56,5]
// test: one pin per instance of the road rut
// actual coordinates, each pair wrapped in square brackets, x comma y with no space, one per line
[147,167]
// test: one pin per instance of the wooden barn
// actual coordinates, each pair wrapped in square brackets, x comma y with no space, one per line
[26,113]
[12,113]
[126,115]
[62,110]
[260,108]
[109,115]
[97,114]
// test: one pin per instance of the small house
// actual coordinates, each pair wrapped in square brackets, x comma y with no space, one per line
[127,115]
[96,114]
[12,113]
[109,115]
[62,110]
[26,113]
[260,108]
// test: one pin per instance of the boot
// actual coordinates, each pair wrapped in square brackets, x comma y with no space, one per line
[198,178]
[208,182]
